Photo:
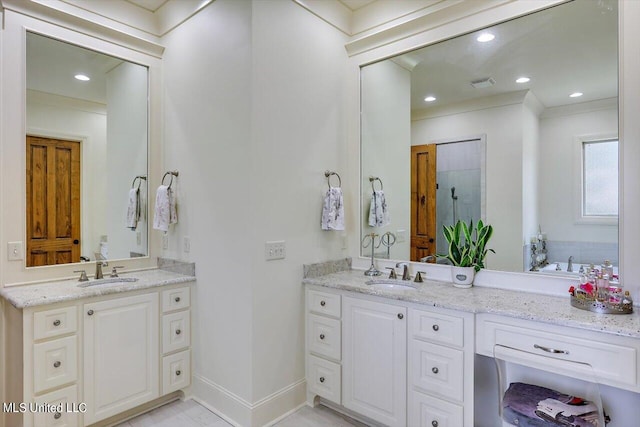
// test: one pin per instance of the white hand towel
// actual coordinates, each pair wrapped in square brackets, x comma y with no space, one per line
[165,211]
[333,210]
[133,209]
[378,211]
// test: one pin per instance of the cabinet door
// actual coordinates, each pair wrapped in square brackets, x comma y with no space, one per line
[375,360]
[120,355]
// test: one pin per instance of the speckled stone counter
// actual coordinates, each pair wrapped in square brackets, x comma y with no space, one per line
[521,305]
[68,290]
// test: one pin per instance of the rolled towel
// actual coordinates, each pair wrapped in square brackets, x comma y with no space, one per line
[378,211]
[133,208]
[165,211]
[333,210]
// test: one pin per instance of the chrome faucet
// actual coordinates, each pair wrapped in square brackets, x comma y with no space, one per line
[100,261]
[428,258]
[570,264]
[405,270]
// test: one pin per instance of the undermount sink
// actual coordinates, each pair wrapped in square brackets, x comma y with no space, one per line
[107,280]
[392,285]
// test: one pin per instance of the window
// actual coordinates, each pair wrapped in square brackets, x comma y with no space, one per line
[600,178]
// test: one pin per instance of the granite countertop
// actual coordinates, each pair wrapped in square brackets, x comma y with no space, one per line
[521,305]
[68,290]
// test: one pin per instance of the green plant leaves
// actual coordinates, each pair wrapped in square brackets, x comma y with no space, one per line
[464,249]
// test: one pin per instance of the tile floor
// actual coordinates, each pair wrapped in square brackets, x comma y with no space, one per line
[191,414]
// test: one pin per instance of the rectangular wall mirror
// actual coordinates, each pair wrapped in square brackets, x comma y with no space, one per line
[86,152]
[515,124]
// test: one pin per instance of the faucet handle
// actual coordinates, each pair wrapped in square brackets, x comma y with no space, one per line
[418,278]
[83,275]
[114,272]
[392,273]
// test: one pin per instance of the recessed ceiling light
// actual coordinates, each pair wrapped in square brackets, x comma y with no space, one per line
[430,98]
[575,94]
[485,37]
[522,80]
[82,77]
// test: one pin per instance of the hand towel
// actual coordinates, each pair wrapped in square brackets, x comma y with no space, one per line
[333,210]
[165,211]
[378,211]
[133,209]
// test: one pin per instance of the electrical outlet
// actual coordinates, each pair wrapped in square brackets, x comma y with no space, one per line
[401,235]
[275,250]
[165,241]
[138,238]
[187,244]
[14,251]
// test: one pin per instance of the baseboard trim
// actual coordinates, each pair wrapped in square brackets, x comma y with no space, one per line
[240,413]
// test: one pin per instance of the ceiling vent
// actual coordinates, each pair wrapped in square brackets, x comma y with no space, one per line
[482,83]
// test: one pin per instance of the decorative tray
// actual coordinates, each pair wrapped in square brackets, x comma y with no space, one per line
[590,304]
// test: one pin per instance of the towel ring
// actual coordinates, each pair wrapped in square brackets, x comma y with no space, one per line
[372,180]
[328,175]
[140,178]
[388,239]
[172,174]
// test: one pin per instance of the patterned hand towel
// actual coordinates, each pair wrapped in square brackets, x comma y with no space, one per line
[165,211]
[133,209]
[378,211]
[333,210]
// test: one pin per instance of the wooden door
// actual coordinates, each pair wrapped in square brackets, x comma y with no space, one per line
[374,356]
[423,201]
[53,201]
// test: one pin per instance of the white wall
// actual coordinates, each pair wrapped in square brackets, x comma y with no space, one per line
[386,153]
[531,109]
[252,124]
[503,177]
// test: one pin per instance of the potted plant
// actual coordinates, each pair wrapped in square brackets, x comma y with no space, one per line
[467,250]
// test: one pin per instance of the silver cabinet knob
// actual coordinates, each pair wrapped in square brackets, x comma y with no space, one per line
[400,316]
[178,372]
[90,312]
[56,364]
[321,379]
[56,322]
[435,370]
[435,328]
[321,336]
[178,331]
[57,415]
[177,299]
[434,423]
[323,303]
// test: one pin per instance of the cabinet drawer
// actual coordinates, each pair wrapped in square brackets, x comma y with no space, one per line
[436,327]
[427,411]
[67,400]
[54,363]
[176,371]
[176,331]
[323,378]
[436,369]
[323,303]
[53,323]
[175,299]
[323,336]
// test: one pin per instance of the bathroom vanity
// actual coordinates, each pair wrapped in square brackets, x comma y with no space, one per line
[92,353]
[406,357]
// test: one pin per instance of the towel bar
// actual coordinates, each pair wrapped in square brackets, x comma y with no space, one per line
[172,174]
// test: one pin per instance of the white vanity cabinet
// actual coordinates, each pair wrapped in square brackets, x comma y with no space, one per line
[97,357]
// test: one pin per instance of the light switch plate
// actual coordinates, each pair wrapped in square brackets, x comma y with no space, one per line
[14,251]
[275,250]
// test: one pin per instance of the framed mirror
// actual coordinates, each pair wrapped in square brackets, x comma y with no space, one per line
[515,124]
[86,154]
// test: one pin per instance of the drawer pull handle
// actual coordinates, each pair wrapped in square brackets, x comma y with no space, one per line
[56,322]
[435,370]
[321,336]
[178,331]
[90,312]
[323,303]
[177,299]
[321,379]
[178,372]
[56,364]
[400,316]
[550,350]
[434,423]
[57,415]
[435,328]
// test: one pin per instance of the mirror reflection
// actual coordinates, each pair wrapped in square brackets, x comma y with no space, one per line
[516,124]
[86,154]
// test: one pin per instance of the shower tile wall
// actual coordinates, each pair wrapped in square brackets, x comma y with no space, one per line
[458,166]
